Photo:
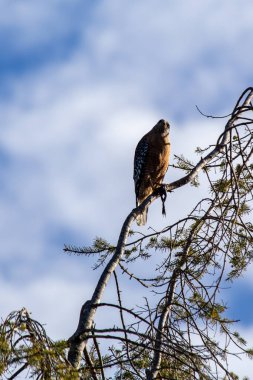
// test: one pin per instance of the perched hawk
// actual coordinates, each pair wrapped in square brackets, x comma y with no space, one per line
[151,162]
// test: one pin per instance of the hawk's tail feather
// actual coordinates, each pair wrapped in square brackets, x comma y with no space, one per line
[141,219]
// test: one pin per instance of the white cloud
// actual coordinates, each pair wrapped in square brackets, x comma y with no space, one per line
[35,24]
[178,51]
[50,300]
[170,54]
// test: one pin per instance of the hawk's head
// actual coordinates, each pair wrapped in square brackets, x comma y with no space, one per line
[162,127]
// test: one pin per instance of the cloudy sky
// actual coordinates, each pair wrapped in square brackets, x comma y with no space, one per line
[81,82]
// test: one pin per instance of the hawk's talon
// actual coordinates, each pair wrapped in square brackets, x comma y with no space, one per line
[163,194]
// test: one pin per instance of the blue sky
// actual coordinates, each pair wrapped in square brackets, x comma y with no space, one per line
[80,83]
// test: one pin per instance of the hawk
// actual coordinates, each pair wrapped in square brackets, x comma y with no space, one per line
[151,161]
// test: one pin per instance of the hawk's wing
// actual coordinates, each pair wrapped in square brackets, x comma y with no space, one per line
[139,162]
